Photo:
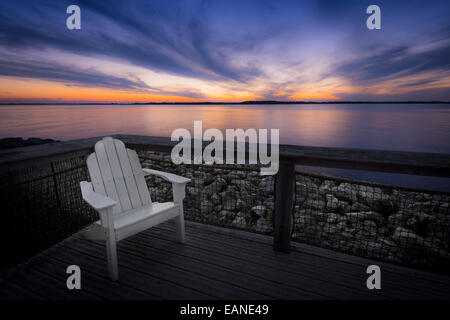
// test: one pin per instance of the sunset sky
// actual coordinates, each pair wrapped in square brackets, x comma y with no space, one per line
[191,50]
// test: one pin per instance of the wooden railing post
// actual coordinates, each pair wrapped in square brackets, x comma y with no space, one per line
[284,201]
[55,184]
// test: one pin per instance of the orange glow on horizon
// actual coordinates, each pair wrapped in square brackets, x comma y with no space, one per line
[27,90]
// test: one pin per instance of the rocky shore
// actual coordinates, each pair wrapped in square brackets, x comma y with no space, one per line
[383,223]
[16,142]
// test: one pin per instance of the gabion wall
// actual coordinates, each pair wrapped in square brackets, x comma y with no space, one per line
[379,222]
[234,196]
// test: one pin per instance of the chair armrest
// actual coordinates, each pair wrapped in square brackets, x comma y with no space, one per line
[95,200]
[167,176]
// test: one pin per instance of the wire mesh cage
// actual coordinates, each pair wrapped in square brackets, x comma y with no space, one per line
[231,196]
[377,221]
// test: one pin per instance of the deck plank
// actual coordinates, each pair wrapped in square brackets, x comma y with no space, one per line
[252,269]
[232,275]
[139,278]
[14,291]
[298,275]
[94,281]
[351,281]
[140,260]
[214,263]
[249,237]
[325,268]
[37,277]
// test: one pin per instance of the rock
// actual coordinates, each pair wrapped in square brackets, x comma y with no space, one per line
[269,204]
[8,143]
[332,203]
[420,206]
[228,199]
[357,206]
[300,221]
[332,218]
[307,182]
[240,204]
[376,199]
[261,225]
[407,238]
[207,206]
[215,187]
[239,221]
[236,174]
[259,210]
[267,185]
[370,227]
[327,186]
[411,222]
[314,204]
[424,217]
[443,208]
[346,192]
[396,219]
[329,228]
[215,199]
[192,191]
[369,190]
[300,185]
[341,226]
[225,215]
[313,195]
[422,197]
[343,207]
[335,205]
[376,249]
[366,215]
[202,179]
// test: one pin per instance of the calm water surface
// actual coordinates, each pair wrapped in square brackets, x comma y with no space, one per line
[409,127]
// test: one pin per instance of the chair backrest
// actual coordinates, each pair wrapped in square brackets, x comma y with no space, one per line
[117,173]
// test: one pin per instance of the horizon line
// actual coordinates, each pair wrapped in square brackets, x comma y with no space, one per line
[235,103]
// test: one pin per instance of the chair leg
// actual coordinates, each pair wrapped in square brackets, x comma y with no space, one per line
[111,252]
[179,226]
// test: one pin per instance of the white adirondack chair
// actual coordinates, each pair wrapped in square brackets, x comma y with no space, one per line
[119,193]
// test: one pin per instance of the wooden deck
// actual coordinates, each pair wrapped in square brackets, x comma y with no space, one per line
[215,263]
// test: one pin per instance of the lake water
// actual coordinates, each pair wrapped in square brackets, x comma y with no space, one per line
[402,127]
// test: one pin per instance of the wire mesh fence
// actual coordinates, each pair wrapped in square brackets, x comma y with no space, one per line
[377,221]
[230,196]
[42,205]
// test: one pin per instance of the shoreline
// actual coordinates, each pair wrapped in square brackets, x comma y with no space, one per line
[225,103]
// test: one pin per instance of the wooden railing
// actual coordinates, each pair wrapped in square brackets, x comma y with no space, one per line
[415,163]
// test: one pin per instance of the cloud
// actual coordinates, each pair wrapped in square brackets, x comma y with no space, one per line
[396,62]
[154,35]
[90,77]
[268,49]
[67,74]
